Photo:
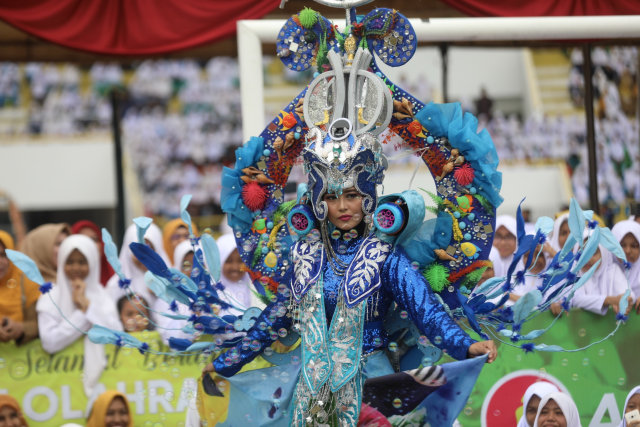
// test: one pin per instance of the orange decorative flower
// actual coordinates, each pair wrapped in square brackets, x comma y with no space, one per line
[415,128]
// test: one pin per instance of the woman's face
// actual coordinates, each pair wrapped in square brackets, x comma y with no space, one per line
[76,267]
[117,414]
[233,267]
[532,409]
[345,210]
[9,417]
[187,264]
[633,403]
[504,241]
[56,245]
[563,233]
[4,261]
[130,316]
[631,247]
[551,416]
[179,235]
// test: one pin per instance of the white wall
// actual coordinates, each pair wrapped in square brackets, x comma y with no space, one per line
[546,188]
[59,173]
[500,70]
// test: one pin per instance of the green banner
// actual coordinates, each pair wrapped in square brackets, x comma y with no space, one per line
[159,387]
[49,387]
[597,378]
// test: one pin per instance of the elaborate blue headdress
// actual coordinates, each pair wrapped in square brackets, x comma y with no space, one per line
[345,109]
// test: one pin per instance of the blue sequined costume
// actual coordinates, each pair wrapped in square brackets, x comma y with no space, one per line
[401,283]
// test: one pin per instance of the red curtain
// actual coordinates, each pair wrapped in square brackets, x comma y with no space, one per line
[545,7]
[131,27]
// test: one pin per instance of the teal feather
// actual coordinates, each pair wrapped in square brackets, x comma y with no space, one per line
[212,255]
[525,304]
[200,346]
[544,224]
[111,252]
[589,249]
[609,241]
[622,308]
[26,265]
[576,220]
[583,279]
[184,203]
[142,223]
[552,348]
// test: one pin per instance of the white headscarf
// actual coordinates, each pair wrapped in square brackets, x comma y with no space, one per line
[102,306]
[566,404]
[635,390]
[166,326]
[240,293]
[540,389]
[553,241]
[607,280]
[620,230]
[180,252]
[501,265]
[129,268]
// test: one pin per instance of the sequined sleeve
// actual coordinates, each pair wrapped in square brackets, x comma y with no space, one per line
[265,331]
[412,293]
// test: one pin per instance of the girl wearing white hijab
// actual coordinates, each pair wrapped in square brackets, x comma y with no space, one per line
[505,244]
[632,402]
[76,303]
[132,268]
[604,288]
[167,327]
[557,409]
[238,288]
[531,399]
[560,231]
[628,234]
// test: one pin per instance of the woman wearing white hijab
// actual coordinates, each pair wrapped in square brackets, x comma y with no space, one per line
[557,409]
[531,399]
[505,244]
[238,288]
[560,231]
[76,303]
[132,268]
[628,234]
[604,288]
[631,403]
[166,326]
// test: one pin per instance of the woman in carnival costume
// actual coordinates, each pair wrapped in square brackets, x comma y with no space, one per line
[352,283]
[349,266]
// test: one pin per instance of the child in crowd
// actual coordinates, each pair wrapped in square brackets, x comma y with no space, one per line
[531,399]
[238,288]
[504,244]
[91,230]
[559,410]
[632,403]
[18,297]
[173,233]
[167,327]
[604,288]
[41,245]
[76,303]
[628,234]
[110,409]
[132,268]
[134,314]
[10,412]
